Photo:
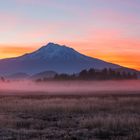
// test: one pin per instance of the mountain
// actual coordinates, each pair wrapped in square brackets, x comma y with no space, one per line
[52,57]
[45,74]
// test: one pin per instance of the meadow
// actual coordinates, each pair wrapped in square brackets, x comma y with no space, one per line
[99,115]
[70,118]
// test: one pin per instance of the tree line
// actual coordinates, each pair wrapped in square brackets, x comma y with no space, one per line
[92,74]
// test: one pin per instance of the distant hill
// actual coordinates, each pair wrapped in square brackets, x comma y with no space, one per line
[52,57]
[42,75]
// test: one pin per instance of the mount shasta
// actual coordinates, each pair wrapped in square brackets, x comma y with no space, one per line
[52,57]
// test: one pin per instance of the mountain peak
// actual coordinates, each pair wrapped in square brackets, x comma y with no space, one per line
[54,46]
[53,51]
[51,44]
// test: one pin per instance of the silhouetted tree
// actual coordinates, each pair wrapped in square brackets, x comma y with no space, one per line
[83,74]
[134,75]
[2,79]
[118,75]
[90,74]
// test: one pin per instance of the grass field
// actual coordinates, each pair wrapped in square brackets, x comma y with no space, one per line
[73,117]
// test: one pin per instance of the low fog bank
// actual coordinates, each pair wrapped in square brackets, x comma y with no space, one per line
[67,87]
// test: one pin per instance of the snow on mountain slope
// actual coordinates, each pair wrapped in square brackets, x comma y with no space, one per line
[54,51]
[53,57]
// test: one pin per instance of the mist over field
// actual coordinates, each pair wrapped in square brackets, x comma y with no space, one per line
[69,87]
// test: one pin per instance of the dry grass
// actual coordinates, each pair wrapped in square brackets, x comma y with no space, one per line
[72,118]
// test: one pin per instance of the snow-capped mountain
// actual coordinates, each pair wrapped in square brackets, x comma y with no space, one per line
[52,57]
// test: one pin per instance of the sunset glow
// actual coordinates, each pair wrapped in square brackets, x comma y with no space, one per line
[105,29]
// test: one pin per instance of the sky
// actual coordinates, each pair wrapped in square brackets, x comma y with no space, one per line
[105,29]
